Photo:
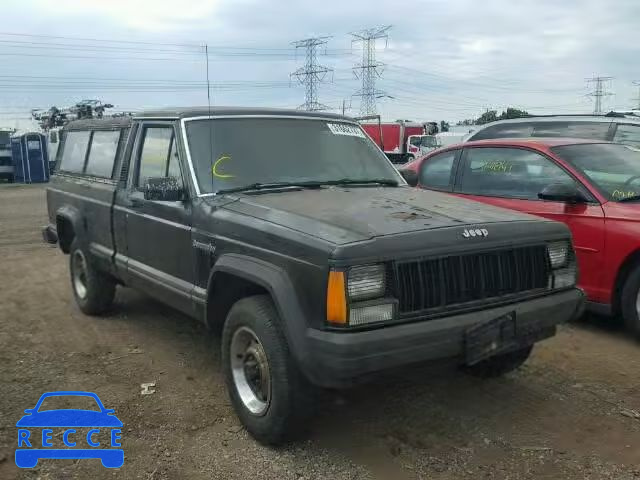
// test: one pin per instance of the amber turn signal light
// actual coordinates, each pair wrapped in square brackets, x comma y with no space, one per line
[336,298]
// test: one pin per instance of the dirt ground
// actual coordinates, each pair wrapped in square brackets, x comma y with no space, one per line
[570,413]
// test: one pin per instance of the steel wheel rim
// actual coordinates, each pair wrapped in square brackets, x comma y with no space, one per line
[250,371]
[79,274]
[638,304]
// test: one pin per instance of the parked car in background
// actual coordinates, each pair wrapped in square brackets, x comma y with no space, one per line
[593,187]
[620,128]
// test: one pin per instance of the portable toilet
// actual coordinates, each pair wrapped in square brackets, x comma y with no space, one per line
[30,158]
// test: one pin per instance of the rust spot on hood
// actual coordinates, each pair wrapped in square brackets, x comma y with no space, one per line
[409,216]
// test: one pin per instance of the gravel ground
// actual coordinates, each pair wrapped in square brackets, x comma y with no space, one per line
[570,413]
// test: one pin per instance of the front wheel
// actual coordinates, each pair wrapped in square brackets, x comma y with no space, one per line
[93,290]
[266,389]
[630,302]
[499,365]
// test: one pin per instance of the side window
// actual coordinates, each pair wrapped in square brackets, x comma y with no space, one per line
[509,172]
[102,154]
[436,171]
[158,155]
[628,134]
[594,130]
[74,151]
[504,130]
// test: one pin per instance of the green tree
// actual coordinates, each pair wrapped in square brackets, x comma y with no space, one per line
[513,113]
[486,117]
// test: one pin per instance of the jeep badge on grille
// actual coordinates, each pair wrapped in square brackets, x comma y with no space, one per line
[475,232]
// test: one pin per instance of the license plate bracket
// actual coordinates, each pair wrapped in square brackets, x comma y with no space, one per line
[491,338]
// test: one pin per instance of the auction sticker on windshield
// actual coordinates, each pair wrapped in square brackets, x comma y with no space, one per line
[345,129]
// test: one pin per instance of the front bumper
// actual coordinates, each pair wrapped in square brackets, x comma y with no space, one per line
[49,234]
[336,359]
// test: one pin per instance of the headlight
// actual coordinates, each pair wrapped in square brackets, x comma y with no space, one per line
[558,254]
[366,314]
[366,282]
[564,277]
[563,265]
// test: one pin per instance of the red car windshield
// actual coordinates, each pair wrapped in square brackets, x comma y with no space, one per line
[613,168]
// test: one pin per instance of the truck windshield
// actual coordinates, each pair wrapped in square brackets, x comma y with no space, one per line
[613,168]
[230,152]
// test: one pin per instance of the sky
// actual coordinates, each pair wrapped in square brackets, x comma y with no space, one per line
[443,59]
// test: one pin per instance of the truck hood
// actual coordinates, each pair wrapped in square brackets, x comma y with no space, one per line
[343,215]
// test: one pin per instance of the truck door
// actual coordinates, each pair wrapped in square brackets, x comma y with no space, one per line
[160,257]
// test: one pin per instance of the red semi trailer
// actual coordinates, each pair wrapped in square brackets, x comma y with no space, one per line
[401,140]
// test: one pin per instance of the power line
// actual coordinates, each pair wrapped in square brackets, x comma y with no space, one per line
[599,92]
[311,74]
[369,69]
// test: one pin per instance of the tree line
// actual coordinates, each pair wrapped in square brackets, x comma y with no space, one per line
[492,116]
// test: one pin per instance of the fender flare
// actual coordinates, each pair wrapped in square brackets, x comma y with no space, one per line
[277,282]
[73,216]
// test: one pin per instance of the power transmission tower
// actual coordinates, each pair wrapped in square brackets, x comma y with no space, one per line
[637,99]
[311,74]
[598,92]
[369,69]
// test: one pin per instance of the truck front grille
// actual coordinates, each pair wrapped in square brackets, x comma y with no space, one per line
[430,284]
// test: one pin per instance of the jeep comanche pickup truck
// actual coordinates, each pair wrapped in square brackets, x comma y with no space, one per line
[316,262]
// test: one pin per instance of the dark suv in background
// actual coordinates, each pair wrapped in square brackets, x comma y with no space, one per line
[614,127]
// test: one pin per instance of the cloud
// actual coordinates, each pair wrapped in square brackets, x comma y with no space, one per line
[147,15]
[445,59]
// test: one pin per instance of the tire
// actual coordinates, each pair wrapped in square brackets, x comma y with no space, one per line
[500,364]
[630,302]
[271,402]
[93,290]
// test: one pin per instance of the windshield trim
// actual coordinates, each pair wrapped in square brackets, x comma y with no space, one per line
[194,179]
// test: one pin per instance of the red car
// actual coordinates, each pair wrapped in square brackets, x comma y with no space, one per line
[592,186]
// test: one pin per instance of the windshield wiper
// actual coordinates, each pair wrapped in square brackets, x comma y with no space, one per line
[267,186]
[356,181]
[309,184]
[633,198]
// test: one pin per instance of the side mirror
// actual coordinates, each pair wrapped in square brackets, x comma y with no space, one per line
[29,410]
[562,192]
[166,189]
[410,177]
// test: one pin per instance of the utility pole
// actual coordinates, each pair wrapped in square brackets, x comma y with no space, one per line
[346,105]
[637,99]
[598,92]
[369,69]
[311,74]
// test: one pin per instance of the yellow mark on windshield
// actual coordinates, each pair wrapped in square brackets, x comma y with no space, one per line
[620,194]
[496,166]
[214,168]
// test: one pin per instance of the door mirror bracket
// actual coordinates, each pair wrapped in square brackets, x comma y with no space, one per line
[166,189]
